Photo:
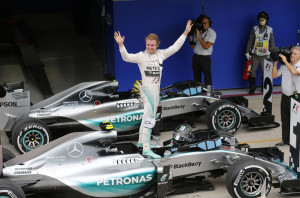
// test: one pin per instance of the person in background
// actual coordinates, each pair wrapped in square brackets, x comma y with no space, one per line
[150,63]
[290,77]
[202,43]
[261,39]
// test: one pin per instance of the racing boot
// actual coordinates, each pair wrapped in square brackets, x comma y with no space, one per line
[140,145]
[151,154]
[147,151]
[251,85]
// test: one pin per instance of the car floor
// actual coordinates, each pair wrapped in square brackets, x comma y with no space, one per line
[69,63]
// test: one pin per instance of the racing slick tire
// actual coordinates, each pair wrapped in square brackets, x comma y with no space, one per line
[245,179]
[29,134]
[7,154]
[223,116]
[10,189]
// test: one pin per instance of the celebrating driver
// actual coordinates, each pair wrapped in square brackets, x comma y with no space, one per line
[150,64]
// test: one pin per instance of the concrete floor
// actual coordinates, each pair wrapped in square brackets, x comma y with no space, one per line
[66,68]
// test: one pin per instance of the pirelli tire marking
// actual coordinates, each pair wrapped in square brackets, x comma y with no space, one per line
[250,181]
[31,137]
[226,117]
[31,134]
[246,179]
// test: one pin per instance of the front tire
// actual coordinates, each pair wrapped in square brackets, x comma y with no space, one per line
[246,177]
[10,189]
[30,134]
[224,116]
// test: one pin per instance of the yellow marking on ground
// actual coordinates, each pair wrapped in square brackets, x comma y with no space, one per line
[258,141]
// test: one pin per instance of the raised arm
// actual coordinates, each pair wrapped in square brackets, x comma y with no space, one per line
[132,58]
[188,28]
[119,39]
[275,71]
[288,65]
[178,44]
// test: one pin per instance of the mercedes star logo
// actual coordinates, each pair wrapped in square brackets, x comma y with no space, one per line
[75,149]
[85,95]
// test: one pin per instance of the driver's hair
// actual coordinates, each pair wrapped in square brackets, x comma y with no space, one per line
[153,36]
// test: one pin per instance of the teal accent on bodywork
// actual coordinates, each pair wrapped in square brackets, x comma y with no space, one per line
[287,167]
[111,189]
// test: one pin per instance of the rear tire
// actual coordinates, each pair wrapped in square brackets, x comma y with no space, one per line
[7,154]
[29,134]
[10,189]
[224,116]
[246,177]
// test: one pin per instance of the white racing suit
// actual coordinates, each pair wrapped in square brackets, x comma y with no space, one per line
[150,66]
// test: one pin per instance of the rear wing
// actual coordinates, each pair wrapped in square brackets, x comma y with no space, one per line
[14,103]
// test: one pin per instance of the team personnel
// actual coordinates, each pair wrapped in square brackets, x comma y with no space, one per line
[150,63]
[261,39]
[296,79]
[202,44]
[290,77]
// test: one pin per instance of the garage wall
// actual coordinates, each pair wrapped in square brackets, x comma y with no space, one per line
[232,20]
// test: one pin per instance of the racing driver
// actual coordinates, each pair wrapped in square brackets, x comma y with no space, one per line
[150,64]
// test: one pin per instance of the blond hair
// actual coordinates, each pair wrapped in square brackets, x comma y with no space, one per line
[153,36]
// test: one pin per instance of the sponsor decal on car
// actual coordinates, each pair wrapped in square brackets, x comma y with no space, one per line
[23,171]
[174,107]
[85,95]
[185,165]
[71,103]
[130,118]
[75,149]
[124,180]
[8,104]
[114,96]
[57,158]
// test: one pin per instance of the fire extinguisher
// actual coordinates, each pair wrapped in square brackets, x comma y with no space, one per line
[247,69]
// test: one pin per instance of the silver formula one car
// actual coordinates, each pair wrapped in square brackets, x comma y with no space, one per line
[93,164]
[82,107]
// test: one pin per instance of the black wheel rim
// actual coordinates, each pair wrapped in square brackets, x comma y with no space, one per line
[226,120]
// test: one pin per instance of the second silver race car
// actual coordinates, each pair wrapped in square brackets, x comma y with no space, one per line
[84,106]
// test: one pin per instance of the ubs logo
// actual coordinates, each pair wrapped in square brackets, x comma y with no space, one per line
[75,149]
[85,95]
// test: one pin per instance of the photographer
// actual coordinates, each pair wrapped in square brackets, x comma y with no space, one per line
[290,82]
[202,42]
[261,39]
